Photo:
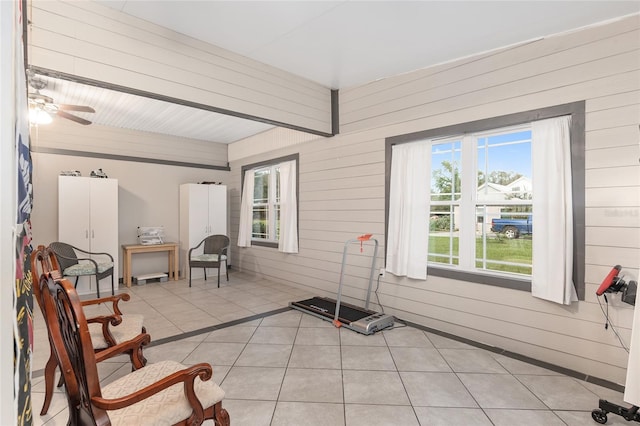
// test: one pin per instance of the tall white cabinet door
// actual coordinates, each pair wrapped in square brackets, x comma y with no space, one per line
[88,219]
[217,215]
[73,211]
[198,213]
[194,208]
[103,217]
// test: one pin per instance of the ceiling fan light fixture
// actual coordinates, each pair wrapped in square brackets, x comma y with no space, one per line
[39,116]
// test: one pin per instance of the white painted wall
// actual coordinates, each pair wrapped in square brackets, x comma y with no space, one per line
[342,191]
[8,409]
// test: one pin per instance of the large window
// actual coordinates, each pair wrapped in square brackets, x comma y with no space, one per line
[481,202]
[269,207]
[498,211]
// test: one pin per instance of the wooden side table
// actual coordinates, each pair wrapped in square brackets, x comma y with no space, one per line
[129,249]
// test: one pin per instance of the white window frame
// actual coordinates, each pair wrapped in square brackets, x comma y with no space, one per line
[468,201]
[272,204]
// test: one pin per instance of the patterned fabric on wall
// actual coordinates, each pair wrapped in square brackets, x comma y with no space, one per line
[23,295]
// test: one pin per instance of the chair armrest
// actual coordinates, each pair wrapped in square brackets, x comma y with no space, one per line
[133,346]
[114,299]
[95,264]
[194,248]
[88,252]
[186,376]
[106,321]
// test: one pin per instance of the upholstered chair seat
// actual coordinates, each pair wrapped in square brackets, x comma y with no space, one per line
[164,408]
[128,329]
[86,268]
[208,258]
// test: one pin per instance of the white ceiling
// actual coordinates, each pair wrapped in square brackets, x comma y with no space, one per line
[118,109]
[341,44]
[346,43]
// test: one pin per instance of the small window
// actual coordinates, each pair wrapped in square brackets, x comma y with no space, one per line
[263,211]
[266,204]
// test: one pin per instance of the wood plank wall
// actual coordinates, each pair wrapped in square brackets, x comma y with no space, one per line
[110,141]
[89,40]
[342,191]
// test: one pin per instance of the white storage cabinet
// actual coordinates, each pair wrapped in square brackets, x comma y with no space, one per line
[203,212]
[88,219]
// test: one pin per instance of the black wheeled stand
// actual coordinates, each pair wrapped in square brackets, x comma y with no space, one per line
[629,414]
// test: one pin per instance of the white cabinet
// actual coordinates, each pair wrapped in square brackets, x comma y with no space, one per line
[88,219]
[203,212]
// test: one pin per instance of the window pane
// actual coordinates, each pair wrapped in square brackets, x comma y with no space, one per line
[504,167]
[260,222]
[504,239]
[443,235]
[261,186]
[445,209]
[277,213]
[277,184]
[445,167]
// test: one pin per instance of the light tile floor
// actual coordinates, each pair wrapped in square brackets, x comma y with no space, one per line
[293,369]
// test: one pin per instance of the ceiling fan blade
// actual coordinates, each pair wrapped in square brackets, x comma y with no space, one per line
[72,117]
[79,108]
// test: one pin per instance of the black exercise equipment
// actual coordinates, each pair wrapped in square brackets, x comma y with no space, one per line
[362,320]
[614,284]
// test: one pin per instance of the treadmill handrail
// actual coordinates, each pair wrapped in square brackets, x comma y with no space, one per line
[344,260]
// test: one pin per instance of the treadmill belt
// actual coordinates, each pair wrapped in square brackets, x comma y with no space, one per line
[327,308]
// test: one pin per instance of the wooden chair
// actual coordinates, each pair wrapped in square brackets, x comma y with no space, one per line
[215,251]
[123,334]
[73,266]
[163,393]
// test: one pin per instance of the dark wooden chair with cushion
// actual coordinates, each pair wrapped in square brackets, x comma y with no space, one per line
[99,265]
[214,252]
[121,333]
[166,392]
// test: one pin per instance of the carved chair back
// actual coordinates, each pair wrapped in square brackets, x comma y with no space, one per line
[71,342]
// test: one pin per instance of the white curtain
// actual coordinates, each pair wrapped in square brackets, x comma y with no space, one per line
[288,241]
[552,211]
[246,210]
[408,233]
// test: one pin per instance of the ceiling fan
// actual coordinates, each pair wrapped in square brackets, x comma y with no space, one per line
[42,107]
